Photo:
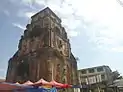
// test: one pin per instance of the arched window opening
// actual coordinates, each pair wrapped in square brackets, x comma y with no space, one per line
[68,74]
[23,69]
[58,73]
[59,42]
[57,30]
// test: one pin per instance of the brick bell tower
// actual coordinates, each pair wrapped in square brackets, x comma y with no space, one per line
[43,52]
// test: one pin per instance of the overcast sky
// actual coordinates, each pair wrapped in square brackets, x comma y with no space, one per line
[95,29]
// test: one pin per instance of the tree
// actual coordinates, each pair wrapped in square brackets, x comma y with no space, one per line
[77,59]
[120,77]
[116,75]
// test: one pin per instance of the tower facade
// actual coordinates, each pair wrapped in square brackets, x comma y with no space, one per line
[43,52]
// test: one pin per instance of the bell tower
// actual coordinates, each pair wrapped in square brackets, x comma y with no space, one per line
[43,52]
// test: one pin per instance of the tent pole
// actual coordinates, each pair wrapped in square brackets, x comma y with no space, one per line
[52,71]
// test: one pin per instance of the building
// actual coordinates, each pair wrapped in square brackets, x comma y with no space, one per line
[117,85]
[44,51]
[95,78]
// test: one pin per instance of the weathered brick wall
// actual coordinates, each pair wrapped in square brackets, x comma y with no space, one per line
[44,50]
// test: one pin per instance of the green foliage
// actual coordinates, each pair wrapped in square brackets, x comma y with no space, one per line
[116,75]
[77,59]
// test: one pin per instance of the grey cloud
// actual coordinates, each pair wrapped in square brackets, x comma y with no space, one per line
[71,20]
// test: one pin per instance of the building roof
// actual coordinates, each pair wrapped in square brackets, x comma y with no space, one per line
[94,67]
[47,8]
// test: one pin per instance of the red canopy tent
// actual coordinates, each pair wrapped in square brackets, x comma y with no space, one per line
[59,85]
[67,86]
[8,87]
[41,82]
[54,83]
[28,83]
[17,83]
